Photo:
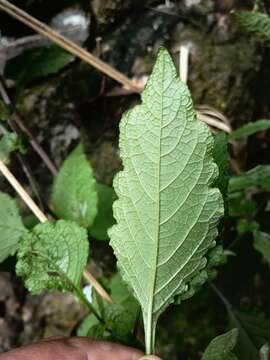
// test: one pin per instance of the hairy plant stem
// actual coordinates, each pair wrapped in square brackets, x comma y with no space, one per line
[76,289]
[80,295]
[150,330]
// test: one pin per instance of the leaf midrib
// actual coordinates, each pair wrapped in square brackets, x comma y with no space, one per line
[150,323]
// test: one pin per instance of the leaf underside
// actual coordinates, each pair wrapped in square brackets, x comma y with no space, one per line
[167,212]
[53,256]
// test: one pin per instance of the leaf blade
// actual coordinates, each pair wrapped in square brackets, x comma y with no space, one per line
[253,333]
[104,219]
[262,244]
[37,63]
[255,23]
[156,198]
[221,158]
[249,129]
[74,195]
[8,144]
[221,347]
[256,177]
[11,226]
[50,250]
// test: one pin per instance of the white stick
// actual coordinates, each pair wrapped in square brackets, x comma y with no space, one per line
[23,194]
[183,62]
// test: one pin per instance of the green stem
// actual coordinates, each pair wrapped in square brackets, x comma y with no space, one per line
[80,295]
[76,289]
[150,331]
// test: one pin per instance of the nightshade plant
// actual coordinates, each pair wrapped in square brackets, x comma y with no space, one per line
[167,210]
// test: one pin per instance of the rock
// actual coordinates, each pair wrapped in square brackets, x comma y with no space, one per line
[50,314]
[25,318]
[221,66]
[109,12]
[10,320]
[74,23]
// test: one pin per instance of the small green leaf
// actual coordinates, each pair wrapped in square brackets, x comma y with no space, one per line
[123,298]
[240,205]
[249,129]
[74,195]
[98,332]
[92,328]
[256,177]
[8,144]
[53,256]
[120,317]
[222,346]
[262,244]
[254,332]
[36,63]
[167,212]
[88,322]
[254,23]
[221,158]
[119,291]
[104,219]
[11,226]
[244,226]
[4,111]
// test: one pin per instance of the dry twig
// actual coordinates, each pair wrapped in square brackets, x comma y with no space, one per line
[65,43]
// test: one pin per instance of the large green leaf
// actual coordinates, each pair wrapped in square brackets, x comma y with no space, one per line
[222,346]
[74,195]
[255,23]
[262,244]
[11,226]
[53,256]
[256,177]
[249,129]
[167,212]
[104,219]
